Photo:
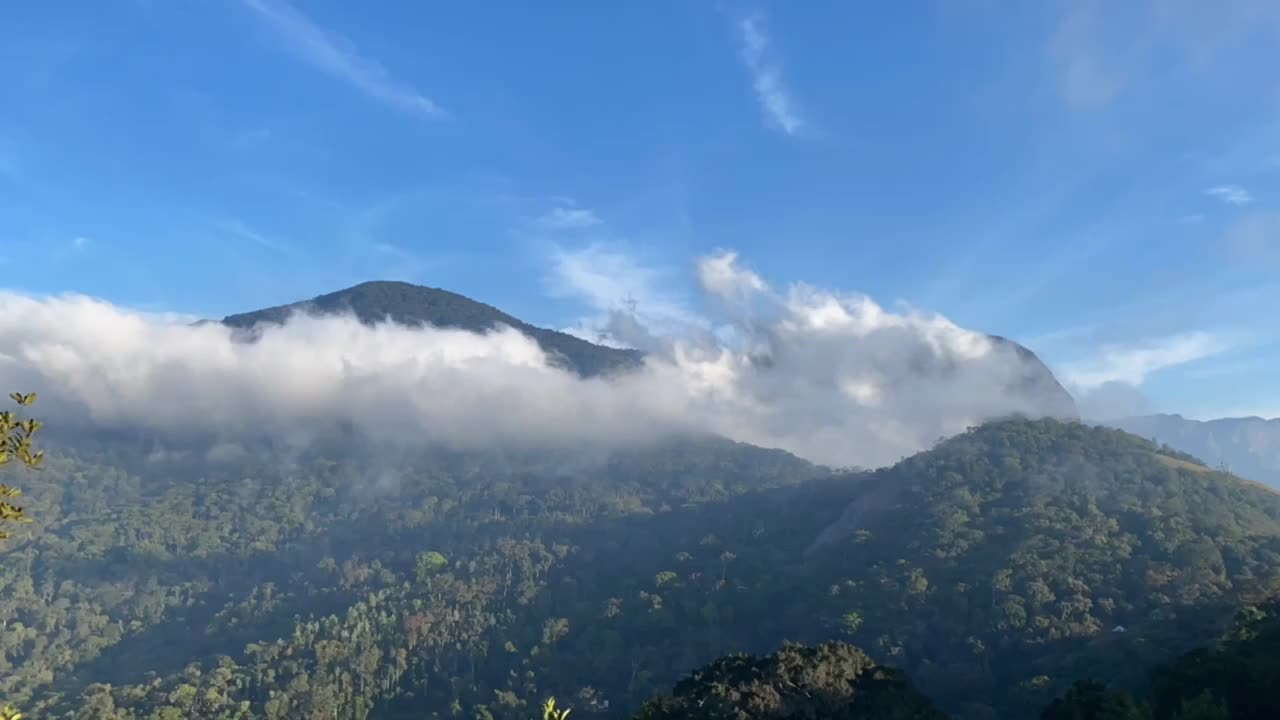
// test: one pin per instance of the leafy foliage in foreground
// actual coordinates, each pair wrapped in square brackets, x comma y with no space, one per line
[17,438]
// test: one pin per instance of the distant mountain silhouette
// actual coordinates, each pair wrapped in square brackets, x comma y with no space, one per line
[1248,447]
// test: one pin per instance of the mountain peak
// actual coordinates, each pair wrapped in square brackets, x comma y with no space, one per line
[417,305]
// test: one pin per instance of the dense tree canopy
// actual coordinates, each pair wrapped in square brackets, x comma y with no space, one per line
[832,681]
[1235,677]
[995,570]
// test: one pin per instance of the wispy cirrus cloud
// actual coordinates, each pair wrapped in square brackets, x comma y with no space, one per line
[1108,384]
[238,229]
[1230,194]
[566,216]
[337,56]
[609,279]
[1131,364]
[775,99]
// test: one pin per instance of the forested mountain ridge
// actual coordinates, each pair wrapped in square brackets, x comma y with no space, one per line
[1249,447]
[997,566]
[993,569]
[1072,550]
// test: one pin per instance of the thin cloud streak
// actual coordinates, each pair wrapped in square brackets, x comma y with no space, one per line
[338,57]
[239,229]
[567,218]
[1230,194]
[775,100]
[1131,364]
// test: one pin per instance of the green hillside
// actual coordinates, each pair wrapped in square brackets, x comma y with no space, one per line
[995,570]
[1031,552]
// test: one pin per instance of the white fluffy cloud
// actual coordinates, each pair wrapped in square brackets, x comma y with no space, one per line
[834,378]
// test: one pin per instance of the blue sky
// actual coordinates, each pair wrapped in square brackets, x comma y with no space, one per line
[1102,184]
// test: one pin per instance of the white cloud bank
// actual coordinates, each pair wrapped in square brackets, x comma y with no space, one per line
[834,378]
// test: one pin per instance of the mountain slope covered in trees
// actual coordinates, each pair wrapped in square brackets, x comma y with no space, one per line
[995,570]
[832,681]
[1048,551]
[1231,678]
